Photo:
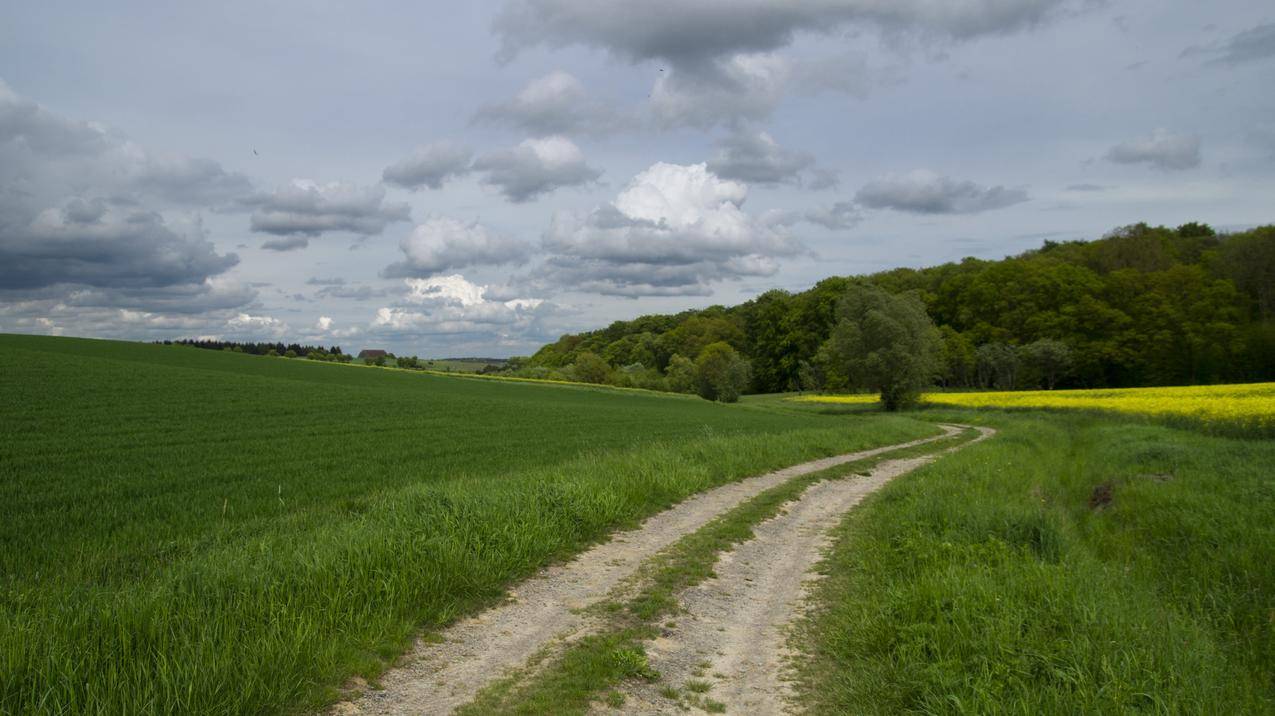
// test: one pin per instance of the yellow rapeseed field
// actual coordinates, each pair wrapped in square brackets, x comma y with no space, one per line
[1249,405]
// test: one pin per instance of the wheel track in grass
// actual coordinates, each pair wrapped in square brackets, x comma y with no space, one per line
[436,678]
[730,642]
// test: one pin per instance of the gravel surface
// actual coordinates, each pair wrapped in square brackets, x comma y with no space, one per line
[436,678]
[731,641]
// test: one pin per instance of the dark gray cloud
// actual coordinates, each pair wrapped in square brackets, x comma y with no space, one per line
[344,292]
[430,166]
[186,299]
[749,87]
[83,317]
[442,244]
[692,33]
[536,167]
[728,91]
[1161,149]
[674,230]
[285,243]
[839,216]
[926,192]
[51,157]
[722,57]
[756,158]
[1252,45]
[191,181]
[77,207]
[555,104]
[305,208]
[836,217]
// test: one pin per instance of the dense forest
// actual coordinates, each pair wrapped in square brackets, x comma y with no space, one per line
[1142,306]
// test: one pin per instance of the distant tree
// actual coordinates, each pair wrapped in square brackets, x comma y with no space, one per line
[379,361]
[590,368]
[721,373]
[1248,259]
[1193,229]
[692,335]
[633,348]
[956,358]
[997,365]
[272,353]
[681,374]
[1047,360]
[810,376]
[290,354]
[883,342]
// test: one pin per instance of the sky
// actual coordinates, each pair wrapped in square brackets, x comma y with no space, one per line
[460,179]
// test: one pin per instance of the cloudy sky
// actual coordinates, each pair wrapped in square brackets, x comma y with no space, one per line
[477,178]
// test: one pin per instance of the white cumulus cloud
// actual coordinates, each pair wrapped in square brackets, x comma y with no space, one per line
[536,167]
[442,244]
[672,231]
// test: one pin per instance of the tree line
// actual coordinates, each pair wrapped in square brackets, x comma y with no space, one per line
[1141,306]
[288,350]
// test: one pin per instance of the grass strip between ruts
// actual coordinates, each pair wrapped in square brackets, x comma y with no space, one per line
[599,662]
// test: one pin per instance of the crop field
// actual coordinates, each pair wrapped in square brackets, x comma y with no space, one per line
[1244,408]
[199,531]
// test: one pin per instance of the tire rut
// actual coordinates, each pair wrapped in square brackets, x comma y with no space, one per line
[733,632]
[437,678]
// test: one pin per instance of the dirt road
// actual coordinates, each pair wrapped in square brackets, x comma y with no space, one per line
[436,678]
[730,642]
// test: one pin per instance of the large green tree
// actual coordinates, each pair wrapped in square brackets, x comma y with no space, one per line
[883,342]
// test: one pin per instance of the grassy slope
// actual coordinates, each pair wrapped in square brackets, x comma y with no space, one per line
[189,530]
[987,583]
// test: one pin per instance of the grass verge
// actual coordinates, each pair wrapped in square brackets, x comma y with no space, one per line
[1072,565]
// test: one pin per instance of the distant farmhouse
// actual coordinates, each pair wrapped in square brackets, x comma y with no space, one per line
[371,353]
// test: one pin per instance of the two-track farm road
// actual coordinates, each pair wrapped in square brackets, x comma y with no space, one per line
[733,632]
[436,678]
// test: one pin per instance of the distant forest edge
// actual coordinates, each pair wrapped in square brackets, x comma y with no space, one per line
[1143,306]
[334,354]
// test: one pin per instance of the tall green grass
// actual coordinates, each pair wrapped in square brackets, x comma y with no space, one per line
[194,532]
[1002,579]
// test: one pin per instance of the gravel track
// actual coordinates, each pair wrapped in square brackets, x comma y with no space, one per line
[436,678]
[733,633]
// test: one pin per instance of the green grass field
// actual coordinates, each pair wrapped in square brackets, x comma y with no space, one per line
[1073,564]
[201,531]
[190,531]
